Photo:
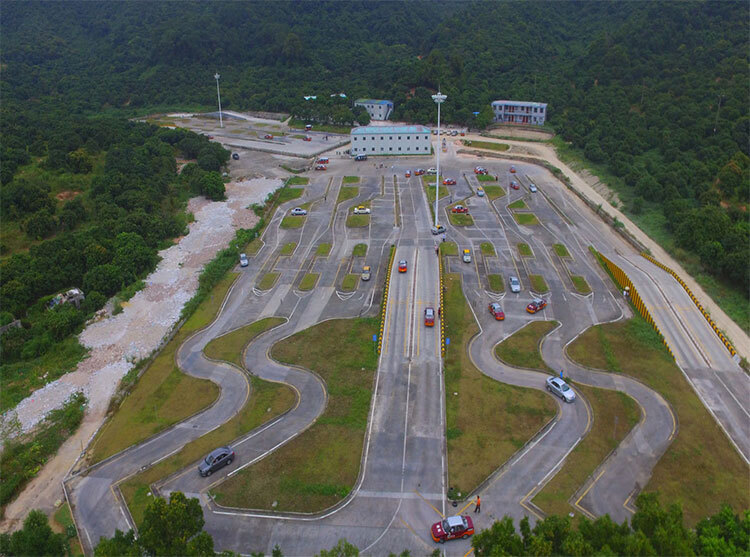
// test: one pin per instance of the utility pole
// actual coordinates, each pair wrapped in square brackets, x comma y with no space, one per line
[439,99]
[218,95]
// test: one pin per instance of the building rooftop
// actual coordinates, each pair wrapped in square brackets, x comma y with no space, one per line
[390,129]
[520,103]
[373,101]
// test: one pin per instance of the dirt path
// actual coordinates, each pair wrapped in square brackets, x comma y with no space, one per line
[117,342]
[735,333]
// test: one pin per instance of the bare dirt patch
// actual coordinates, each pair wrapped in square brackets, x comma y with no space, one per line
[67,194]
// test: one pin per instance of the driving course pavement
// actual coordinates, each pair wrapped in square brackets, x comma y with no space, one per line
[401,488]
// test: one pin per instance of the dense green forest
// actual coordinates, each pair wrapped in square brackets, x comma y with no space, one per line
[85,203]
[654,92]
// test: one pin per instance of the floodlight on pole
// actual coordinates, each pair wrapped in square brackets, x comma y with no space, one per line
[439,99]
[218,95]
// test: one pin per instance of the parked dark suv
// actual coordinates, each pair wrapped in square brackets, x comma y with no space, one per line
[215,460]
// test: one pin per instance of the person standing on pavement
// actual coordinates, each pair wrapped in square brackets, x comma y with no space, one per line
[478,507]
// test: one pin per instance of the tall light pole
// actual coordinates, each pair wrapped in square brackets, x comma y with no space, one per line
[218,95]
[439,99]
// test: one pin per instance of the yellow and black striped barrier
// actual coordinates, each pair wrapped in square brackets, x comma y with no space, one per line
[623,281]
[441,309]
[385,298]
[721,335]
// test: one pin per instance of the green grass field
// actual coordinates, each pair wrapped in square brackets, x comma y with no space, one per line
[288,249]
[580,284]
[561,250]
[347,193]
[460,219]
[538,284]
[430,190]
[298,181]
[524,250]
[521,349]
[449,248]
[309,281]
[487,421]
[527,219]
[701,450]
[268,280]
[487,145]
[519,204]
[496,282]
[290,221]
[360,250]
[287,194]
[319,467]
[493,192]
[486,178]
[357,221]
[350,282]
[163,395]
[323,250]
[351,179]
[487,249]
[254,247]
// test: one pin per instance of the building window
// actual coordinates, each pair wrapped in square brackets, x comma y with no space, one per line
[416,148]
[381,149]
[399,148]
[390,148]
[408,148]
[381,138]
[355,139]
[408,137]
[399,138]
[373,149]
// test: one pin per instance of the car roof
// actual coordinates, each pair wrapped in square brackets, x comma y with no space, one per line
[495,305]
[455,521]
[402,261]
[467,250]
[513,279]
[220,450]
[429,310]
[366,268]
[556,381]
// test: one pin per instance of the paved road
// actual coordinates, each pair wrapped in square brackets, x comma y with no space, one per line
[401,488]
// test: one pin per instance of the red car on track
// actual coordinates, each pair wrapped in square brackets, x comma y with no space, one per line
[408,174]
[459,209]
[268,136]
[321,167]
[536,305]
[496,310]
[480,170]
[449,182]
[429,317]
[512,169]
[514,185]
[307,138]
[402,266]
[419,172]
[452,528]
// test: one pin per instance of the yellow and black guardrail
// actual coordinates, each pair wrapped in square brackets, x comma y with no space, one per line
[441,309]
[385,297]
[623,281]
[721,335]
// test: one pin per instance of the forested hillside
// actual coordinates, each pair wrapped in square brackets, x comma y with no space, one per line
[655,93]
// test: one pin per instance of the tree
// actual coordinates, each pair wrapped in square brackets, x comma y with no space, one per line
[132,253]
[106,279]
[119,545]
[341,549]
[35,538]
[173,528]
[40,225]
[212,186]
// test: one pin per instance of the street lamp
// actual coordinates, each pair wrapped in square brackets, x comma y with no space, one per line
[439,99]
[218,95]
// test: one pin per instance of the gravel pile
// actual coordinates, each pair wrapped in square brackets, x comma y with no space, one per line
[118,342]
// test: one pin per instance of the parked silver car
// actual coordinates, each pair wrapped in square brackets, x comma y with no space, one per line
[243,260]
[299,211]
[558,387]
[515,284]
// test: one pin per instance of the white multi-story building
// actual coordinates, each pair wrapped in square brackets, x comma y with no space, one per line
[390,140]
[378,110]
[520,112]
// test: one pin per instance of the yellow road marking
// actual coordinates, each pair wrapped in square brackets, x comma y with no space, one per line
[590,486]
[469,552]
[467,505]
[430,504]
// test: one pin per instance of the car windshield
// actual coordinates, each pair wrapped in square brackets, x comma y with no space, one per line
[565,387]
[208,460]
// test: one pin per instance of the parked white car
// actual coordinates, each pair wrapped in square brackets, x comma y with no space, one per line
[243,260]
[432,171]
[361,210]
[299,211]
[533,188]
[515,284]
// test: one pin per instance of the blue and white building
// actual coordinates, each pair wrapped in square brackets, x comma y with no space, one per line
[519,112]
[390,140]
[377,109]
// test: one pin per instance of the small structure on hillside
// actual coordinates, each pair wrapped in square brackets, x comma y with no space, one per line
[73,296]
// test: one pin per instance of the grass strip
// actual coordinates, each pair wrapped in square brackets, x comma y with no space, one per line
[62,521]
[493,192]
[486,178]
[288,249]
[309,281]
[496,283]
[580,284]
[430,190]
[538,284]
[524,250]
[486,145]
[486,421]
[287,194]
[266,401]
[163,395]
[700,451]
[561,250]
[254,247]
[460,219]
[323,250]
[351,179]
[357,221]
[297,181]
[319,467]
[360,250]
[350,282]
[519,204]
[521,349]
[487,249]
[268,280]
[291,221]
[347,193]
[449,248]
[330,128]
[615,414]
[527,219]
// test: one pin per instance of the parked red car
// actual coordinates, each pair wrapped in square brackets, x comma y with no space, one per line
[536,305]
[459,209]
[268,136]
[512,169]
[514,185]
[449,182]
[408,174]
[323,160]
[497,311]
[419,172]
[307,138]
[321,167]
[480,170]
[452,528]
